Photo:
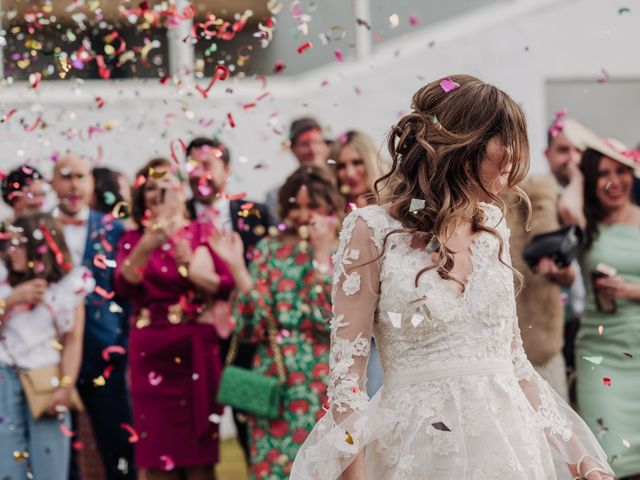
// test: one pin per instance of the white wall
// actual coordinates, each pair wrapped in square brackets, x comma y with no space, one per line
[518,46]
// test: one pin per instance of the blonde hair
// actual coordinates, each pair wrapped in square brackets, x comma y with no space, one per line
[366,147]
[437,150]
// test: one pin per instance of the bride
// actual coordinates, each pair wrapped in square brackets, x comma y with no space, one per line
[428,273]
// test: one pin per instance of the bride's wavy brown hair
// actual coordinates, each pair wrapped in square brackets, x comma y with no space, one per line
[436,152]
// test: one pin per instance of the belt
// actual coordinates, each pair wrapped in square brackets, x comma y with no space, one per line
[450,370]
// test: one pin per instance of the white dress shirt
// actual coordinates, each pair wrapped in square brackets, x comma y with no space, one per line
[76,235]
[219,211]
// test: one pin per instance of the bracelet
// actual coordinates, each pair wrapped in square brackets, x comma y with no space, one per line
[66,381]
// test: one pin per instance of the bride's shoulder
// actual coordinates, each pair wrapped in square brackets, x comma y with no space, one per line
[374,219]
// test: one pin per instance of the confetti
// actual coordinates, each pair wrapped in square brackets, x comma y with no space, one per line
[133,435]
[600,329]
[414,19]
[154,379]
[231,122]
[338,54]
[417,204]
[607,381]
[99,381]
[305,46]
[440,426]
[394,20]
[215,418]
[396,318]
[605,76]
[107,351]
[20,455]
[99,102]
[448,85]
[626,443]
[66,431]
[623,10]
[595,360]
[348,438]
[416,319]
[167,462]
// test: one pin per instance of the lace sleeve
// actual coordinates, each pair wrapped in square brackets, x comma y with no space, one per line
[352,420]
[571,439]
[355,298]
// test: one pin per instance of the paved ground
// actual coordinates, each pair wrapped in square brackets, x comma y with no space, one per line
[232,465]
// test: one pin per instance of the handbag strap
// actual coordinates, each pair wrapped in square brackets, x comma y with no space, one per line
[272,333]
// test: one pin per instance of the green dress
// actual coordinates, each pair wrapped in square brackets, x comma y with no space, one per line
[287,283]
[608,380]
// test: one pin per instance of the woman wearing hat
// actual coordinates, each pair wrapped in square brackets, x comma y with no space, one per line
[607,355]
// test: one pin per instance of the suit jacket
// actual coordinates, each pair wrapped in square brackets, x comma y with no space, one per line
[540,311]
[250,228]
[106,316]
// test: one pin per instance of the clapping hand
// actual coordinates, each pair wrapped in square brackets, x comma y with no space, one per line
[228,246]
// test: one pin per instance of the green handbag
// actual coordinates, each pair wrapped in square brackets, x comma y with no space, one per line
[249,391]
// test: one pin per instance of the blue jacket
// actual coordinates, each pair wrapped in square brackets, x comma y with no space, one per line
[106,317]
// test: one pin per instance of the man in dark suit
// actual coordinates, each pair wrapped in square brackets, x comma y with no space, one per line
[208,163]
[92,238]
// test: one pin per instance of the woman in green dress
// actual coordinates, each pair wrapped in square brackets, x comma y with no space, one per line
[290,278]
[608,342]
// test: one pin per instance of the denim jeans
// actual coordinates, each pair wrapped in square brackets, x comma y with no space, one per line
[48,446]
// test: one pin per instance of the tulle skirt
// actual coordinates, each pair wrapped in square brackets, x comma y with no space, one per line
[476,427]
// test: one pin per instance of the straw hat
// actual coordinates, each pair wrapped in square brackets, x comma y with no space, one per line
[579,135]
[612,148]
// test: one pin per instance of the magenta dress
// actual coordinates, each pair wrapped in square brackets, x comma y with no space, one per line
[175,363]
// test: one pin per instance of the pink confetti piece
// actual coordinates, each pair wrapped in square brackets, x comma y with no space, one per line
[606,381]
[167,462]
[133,435]
[107,351]
[448,85]
[231,122]
[338,54]
[154,378]
[414,19]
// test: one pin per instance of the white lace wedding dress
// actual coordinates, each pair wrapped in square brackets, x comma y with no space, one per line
[460,399]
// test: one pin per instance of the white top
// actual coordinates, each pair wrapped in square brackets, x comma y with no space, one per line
[460,399]
[30,334]
[76,235]
[219,210]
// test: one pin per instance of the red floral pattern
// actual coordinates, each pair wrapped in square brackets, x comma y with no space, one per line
[286,280]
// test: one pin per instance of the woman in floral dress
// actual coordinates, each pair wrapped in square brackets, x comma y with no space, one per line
[290,279]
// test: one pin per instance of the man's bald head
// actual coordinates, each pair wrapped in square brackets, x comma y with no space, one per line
[73,183]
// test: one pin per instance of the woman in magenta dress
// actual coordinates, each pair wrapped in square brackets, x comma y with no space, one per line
[172,276]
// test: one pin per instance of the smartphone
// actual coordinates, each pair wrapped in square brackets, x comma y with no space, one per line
[604,303]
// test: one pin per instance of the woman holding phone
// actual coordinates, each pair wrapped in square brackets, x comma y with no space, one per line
[607,356]
[172,276]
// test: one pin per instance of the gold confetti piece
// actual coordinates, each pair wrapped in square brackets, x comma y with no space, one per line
[178,360]
[20,456]
[348,438]
[182,270]
[57,345]
[99,381]
[156,174]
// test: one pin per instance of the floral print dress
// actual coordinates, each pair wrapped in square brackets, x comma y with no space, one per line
[297,294]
